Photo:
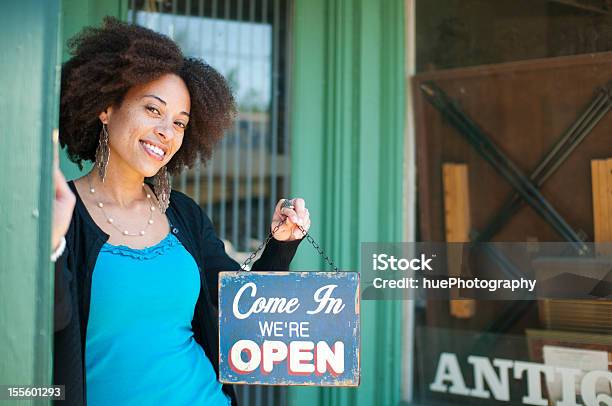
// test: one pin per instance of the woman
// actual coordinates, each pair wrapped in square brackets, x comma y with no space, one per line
[137,264]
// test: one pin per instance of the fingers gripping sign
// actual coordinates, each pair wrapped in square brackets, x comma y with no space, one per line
[291,220]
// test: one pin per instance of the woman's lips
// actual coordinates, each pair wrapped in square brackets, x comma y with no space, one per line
[149,153]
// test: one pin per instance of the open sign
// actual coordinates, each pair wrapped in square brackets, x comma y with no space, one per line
[289,328]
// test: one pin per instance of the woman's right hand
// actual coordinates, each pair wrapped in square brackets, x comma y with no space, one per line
[63,203]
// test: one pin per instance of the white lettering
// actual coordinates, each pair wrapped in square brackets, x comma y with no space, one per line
[594,387]
[382,262]
[268,329]
[324,357]
[333,305]
[568,386]
[263,305]
[534,386]
[483,372]
[448,370]
[588,391]
[302,357]
[236,362]
[300,351]
[273,352]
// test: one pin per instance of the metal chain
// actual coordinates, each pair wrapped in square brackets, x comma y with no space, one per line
[263,244]
[306,235]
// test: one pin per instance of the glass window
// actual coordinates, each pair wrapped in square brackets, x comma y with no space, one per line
[514,89]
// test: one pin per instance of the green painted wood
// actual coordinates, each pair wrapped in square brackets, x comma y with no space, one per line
[347,157]
[29,79]
[77,14]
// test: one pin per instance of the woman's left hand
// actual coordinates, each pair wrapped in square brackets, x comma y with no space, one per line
[290,218]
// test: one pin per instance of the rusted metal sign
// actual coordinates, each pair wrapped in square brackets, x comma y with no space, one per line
[289,328]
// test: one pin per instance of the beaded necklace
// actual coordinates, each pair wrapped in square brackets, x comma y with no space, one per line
[111,221]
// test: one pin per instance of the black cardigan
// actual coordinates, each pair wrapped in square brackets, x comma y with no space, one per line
[74,267]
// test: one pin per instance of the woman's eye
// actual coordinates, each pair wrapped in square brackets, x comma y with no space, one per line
[182,125]
[153,110]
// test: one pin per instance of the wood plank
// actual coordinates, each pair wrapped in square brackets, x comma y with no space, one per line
[582,6]
[597,231]
[607,200]
[579,62]
[602,202]
[456,202]
[423,163]
[457,228]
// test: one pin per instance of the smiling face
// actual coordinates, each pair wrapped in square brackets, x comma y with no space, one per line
[148,128]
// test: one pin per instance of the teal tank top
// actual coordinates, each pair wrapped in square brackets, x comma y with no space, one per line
[140,348]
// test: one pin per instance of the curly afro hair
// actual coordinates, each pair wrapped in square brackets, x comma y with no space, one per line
[108,61]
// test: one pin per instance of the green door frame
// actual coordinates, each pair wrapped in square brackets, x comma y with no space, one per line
[29,79]
[347,159]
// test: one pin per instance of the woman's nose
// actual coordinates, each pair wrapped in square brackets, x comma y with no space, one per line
[165,131]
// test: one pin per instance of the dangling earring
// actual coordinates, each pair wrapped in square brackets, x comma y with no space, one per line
[161,185]
[102,153]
